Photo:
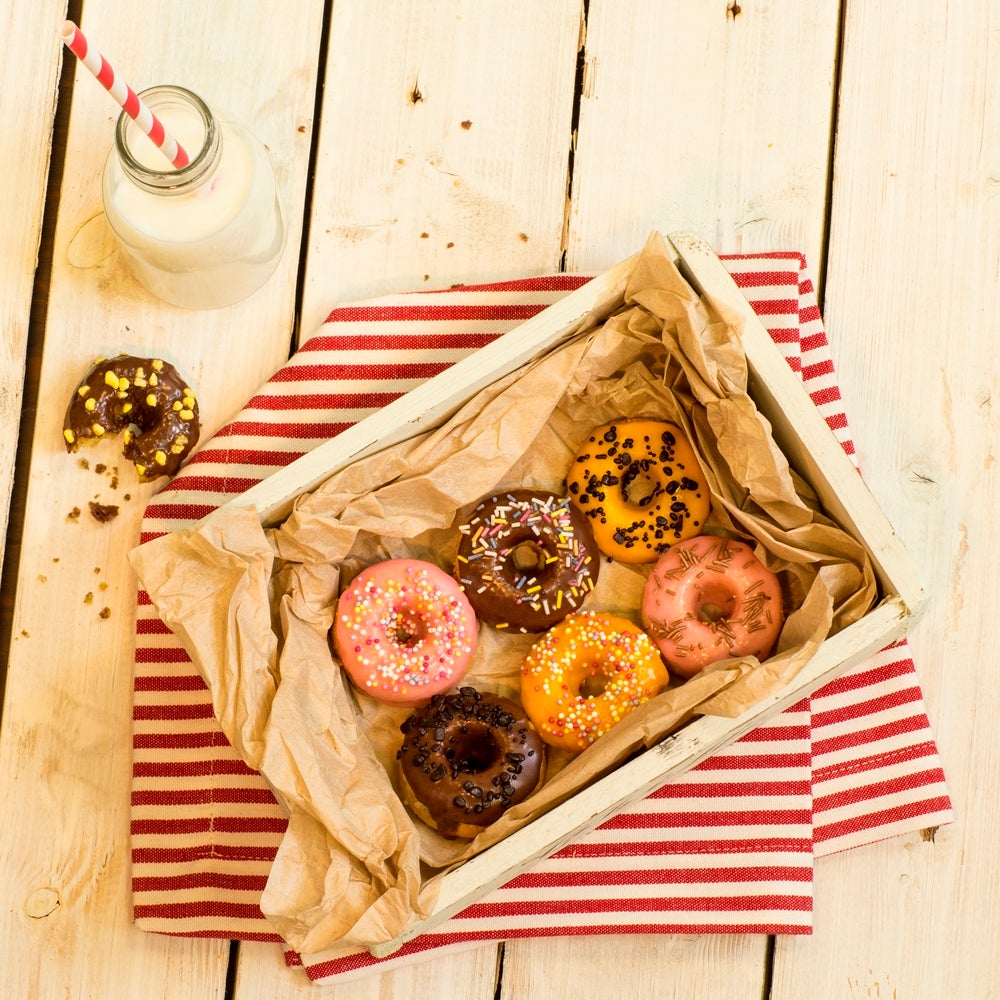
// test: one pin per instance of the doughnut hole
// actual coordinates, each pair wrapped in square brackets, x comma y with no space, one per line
[530,559]
[595,683]
[473,750]
[528,556]
[407,629]
[716,603]
[639,486]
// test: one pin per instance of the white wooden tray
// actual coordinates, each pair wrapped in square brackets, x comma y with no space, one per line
[806,441]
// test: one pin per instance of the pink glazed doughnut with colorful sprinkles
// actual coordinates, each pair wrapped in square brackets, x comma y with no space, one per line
[404,631]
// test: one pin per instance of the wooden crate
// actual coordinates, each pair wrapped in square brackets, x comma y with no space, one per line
[806,441]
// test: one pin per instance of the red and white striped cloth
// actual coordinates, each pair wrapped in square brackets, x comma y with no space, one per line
[726,848]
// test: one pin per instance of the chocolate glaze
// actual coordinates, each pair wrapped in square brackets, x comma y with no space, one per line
[468,756]
[526,559]
[147,399]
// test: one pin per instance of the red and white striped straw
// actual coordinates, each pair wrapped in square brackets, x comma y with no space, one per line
[126,97]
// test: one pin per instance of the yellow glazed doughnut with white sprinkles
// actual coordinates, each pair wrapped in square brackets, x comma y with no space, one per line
[585,675]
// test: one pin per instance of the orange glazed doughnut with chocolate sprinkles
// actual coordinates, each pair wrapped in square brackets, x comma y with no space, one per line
[640,484]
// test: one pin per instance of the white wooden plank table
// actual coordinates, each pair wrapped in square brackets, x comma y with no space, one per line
[520,139]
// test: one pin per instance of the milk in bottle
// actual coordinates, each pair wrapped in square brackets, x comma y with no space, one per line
[205,235]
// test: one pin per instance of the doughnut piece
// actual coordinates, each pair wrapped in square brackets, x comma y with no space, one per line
[640,484]
[708,599]
[466,758]
[585,675]
[404,631]
[526,559]
[144,398]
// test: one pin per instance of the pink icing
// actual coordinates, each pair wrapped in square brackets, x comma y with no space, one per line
[709,599]
[404,631]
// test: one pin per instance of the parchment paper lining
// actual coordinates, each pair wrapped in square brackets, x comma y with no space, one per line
[252,607]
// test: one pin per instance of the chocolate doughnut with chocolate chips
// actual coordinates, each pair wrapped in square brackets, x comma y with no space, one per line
[526,559]
[144,398]
[466,758]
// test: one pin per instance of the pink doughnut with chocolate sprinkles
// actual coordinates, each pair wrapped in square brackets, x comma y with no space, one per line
[404,631]
[708,599]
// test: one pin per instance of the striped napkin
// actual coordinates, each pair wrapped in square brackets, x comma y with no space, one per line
[726,848]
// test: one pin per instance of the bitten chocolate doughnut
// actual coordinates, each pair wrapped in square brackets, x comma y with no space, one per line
[526,559]
[404,631]
[585,675]
[144,398]
[708,599]
[466,758]
[640,484]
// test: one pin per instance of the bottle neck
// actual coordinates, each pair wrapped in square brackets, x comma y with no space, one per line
[192,123]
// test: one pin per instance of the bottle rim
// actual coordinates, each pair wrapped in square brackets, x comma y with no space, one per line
[170,179]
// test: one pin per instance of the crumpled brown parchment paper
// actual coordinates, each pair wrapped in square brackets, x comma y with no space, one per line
[253,606]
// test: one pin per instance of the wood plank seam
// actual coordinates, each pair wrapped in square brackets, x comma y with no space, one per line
[578,81]
[298,334]
[824,260]
[11,553]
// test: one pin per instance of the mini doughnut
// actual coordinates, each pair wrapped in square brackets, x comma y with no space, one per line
[585,675]
[640,484]
[466,758]
[147,400]
[708,599]
[526,559]
[404,631]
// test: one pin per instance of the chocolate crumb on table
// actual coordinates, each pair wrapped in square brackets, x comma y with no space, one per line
[103,512]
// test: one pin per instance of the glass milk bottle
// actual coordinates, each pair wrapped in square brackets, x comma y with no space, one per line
[202,236]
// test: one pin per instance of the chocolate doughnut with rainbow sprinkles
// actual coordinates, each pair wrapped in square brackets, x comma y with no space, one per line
[641,486]
[526,559]
[147,401]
